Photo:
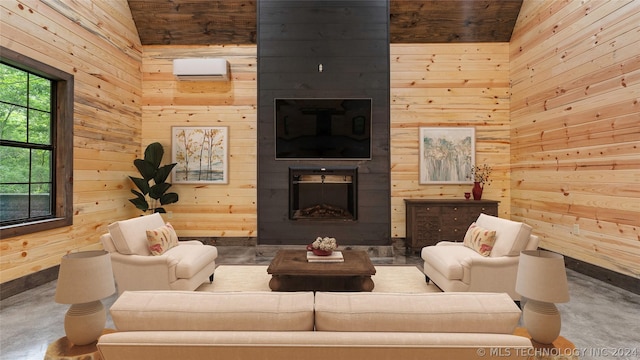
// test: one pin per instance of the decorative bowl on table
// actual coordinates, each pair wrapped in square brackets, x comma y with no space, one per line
[323,246]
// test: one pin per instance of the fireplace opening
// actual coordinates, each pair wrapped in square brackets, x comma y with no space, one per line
[323,193]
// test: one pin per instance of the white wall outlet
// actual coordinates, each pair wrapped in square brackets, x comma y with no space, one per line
[576,229]
[169,214]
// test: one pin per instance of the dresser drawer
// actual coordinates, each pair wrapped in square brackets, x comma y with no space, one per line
[456,221]
[453,233]
[426,211]
[457,215]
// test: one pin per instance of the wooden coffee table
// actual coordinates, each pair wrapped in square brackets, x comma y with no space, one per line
[290,271]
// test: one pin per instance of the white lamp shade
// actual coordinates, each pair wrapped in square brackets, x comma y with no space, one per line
[542,276]
[84,277]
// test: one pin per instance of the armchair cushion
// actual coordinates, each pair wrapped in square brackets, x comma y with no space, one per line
[449,259]
[162,239]
[511,236]
[130,236]
[190,260]
[480,239]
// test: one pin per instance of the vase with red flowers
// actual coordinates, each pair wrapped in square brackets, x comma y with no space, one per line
[480,176]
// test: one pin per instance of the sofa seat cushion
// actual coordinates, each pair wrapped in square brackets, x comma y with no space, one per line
[130,236]
[191,258]
[448,259]
[511,236]
[432,312]
[314,341]
[224,311]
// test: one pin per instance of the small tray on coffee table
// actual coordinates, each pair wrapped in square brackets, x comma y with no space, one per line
[290,271]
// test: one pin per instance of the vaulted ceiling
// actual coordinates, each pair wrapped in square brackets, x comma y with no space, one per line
[208,22]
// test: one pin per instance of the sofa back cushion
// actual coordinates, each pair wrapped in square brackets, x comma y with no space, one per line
[130,236]
[431,312]
[223,311]
[511,236]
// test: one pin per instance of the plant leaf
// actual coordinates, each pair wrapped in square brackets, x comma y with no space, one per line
[169,198]
[142,184]
[145,168]
[163,173]
[157,190]
[153,154]
[160,210]
[140,202]
[137,193]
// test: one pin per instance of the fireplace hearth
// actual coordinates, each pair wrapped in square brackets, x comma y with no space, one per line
[323,193]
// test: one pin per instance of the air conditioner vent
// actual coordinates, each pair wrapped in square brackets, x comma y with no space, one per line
[201,69]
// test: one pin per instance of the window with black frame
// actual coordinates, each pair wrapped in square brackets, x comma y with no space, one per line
[35,177]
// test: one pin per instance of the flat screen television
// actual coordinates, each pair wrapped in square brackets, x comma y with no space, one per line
[323,128]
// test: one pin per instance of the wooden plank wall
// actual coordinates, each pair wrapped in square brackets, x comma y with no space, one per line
[571,141]
[206,210]
[448,85]
[97,42]
[431,85]
[575,136]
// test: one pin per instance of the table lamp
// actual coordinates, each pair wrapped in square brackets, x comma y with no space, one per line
[542,280]
[83,280]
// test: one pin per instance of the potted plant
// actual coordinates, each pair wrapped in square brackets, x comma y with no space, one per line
[480,176]
[152,185]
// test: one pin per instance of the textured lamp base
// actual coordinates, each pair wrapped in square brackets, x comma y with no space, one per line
[84,323]
[542,321]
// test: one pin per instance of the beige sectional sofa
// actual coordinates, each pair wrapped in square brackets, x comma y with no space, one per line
[173,325]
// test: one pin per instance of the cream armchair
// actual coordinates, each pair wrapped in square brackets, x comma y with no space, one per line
[182,267]
[454,267]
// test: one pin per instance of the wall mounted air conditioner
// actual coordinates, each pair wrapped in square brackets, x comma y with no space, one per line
[199,69]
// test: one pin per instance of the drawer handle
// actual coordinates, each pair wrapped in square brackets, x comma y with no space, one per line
[455,219]
[455,209]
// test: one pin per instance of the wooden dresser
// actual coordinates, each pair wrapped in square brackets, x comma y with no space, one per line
[432,220]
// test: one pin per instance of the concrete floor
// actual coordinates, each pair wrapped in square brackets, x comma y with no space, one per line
[600,319]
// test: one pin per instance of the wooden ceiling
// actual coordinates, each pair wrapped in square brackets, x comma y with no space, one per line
[205,22]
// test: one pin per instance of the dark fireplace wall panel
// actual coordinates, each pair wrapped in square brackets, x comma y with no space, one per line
[351,41]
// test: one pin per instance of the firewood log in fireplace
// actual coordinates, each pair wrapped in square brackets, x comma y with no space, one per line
[324,211]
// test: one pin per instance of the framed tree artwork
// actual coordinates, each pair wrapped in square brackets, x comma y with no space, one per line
[200,154]
[447,155]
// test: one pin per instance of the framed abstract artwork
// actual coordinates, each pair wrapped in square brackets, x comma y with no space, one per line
[447,155]
[200,154]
